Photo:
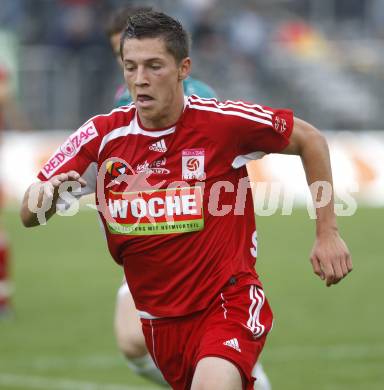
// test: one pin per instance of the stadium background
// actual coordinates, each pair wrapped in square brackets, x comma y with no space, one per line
[323,59]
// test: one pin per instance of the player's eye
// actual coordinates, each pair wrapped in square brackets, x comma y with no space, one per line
[155,66]
[129,68]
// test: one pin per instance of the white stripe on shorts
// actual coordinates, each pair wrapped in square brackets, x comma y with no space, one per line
[153,344]
[257,301]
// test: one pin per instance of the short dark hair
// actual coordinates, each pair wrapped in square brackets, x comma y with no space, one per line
[152,24]
[117,20]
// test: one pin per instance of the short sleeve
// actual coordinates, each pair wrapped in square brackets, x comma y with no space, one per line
[244,131]
[78,153]
[260,130]
[267,129]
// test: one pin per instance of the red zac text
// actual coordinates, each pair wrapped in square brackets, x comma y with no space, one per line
[81,137]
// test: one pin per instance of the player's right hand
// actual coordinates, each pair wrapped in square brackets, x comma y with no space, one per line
[51,187]
[330,258]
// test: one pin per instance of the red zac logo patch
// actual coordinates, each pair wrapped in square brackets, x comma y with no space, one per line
[69,149]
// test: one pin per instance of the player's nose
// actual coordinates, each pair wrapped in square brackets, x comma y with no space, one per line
[141,76]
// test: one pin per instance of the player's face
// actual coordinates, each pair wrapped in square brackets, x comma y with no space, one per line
[115,44]
[154,79]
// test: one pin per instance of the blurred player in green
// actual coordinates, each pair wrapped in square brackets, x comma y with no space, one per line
[129,335]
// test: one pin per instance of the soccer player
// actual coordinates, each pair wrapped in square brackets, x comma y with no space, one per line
[129,336]
[173,195]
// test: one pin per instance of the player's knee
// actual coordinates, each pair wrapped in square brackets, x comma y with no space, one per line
[215,382]
[128,332]
[130,339]
[131,344]
[215,373]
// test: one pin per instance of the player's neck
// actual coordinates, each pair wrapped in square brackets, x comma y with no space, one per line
[168,119]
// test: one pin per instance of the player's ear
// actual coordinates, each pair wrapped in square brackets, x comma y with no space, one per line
[184,68]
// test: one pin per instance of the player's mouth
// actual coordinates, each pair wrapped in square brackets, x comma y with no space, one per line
[144,100]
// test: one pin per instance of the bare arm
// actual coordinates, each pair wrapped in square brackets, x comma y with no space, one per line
[330,256]
[43,196]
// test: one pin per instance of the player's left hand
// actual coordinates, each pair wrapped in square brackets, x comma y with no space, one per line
[330,258]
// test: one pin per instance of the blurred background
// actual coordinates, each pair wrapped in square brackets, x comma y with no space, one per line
[324,59]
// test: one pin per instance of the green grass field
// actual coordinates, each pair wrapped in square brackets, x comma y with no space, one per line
[61,335]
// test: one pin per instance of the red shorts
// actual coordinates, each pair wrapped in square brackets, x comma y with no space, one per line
[234,327]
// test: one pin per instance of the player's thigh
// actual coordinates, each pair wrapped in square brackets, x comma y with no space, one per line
[216,373]
[128,328]
[235,328]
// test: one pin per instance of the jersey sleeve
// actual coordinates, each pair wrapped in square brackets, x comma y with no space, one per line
[79,153]
[259,130]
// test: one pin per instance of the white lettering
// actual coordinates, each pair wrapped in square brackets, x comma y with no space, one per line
[260,197]
[321,192]
[117,208]
[138,208]
[70,207]
[254,243]
[213,203]
[288,202]
[152,204]
[81,137]
[35,206]
[241,196]
[173,204]
[189,204]
[349,202]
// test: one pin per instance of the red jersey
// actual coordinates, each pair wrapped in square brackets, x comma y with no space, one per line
[175,202]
